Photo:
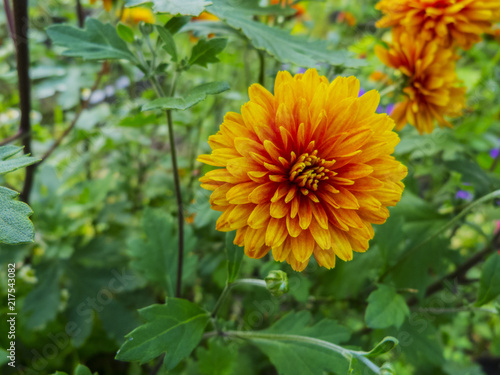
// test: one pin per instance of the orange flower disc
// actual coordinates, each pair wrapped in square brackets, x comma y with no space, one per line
[305,171]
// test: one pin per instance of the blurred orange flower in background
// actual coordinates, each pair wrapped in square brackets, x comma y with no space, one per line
[459,22]
[432,89]
[346,17]
[306,171]
[135,15]
[204,16]
[300,8]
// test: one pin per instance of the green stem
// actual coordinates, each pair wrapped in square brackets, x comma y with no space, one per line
[153,59]
[262,68]
[222,297]
[388,90]
[229,286]
[346,353]
[453,310]
[448,225]
[254,282]
[180,210]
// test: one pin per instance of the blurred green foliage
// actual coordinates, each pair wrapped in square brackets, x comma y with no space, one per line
[105,209]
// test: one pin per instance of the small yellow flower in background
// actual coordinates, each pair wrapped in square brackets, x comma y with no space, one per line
[107,4]
[133,16]
[306,171]
[453,22]
[432,90]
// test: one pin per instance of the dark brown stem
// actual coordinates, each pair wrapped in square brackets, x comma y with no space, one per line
[80,14]
[83,106]
[21,23]
[180,210]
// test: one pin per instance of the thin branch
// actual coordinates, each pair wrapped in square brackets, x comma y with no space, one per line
[10,20]
[80,13]
[452,310]
[461,271]
[21,23]
[495,163]
[12,138]
[83,106]
[442,229]
[178,193]
[180,209]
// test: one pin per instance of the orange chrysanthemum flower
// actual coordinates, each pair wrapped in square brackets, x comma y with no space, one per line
[305,171]
[459,22]
[135,15]
[432,91]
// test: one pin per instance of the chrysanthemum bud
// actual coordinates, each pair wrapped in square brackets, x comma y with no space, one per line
[277,283]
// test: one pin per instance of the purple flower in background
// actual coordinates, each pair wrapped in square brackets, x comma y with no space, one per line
[362,91]
[464,195]
[285,66]
[389,109]
[494,153]
[301,70]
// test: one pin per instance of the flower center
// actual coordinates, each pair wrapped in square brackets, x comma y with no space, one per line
[307,171]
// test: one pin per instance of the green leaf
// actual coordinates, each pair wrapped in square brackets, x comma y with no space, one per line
[9,165]
[15,226]
[297,323]
[384,346]
[82,370]
[489,285]
[174,328]
[168,41]
[154,257]
[279,43]
[125,32]
[184,7]
[206,51]
[176,23]
[234,255]
[420,342]
[97,41]
[196,95]
[139,120]
[217,359]
[472,174]
[313,359]
[42,302]
[386,308]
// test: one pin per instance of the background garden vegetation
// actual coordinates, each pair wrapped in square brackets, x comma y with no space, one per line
[106,215]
